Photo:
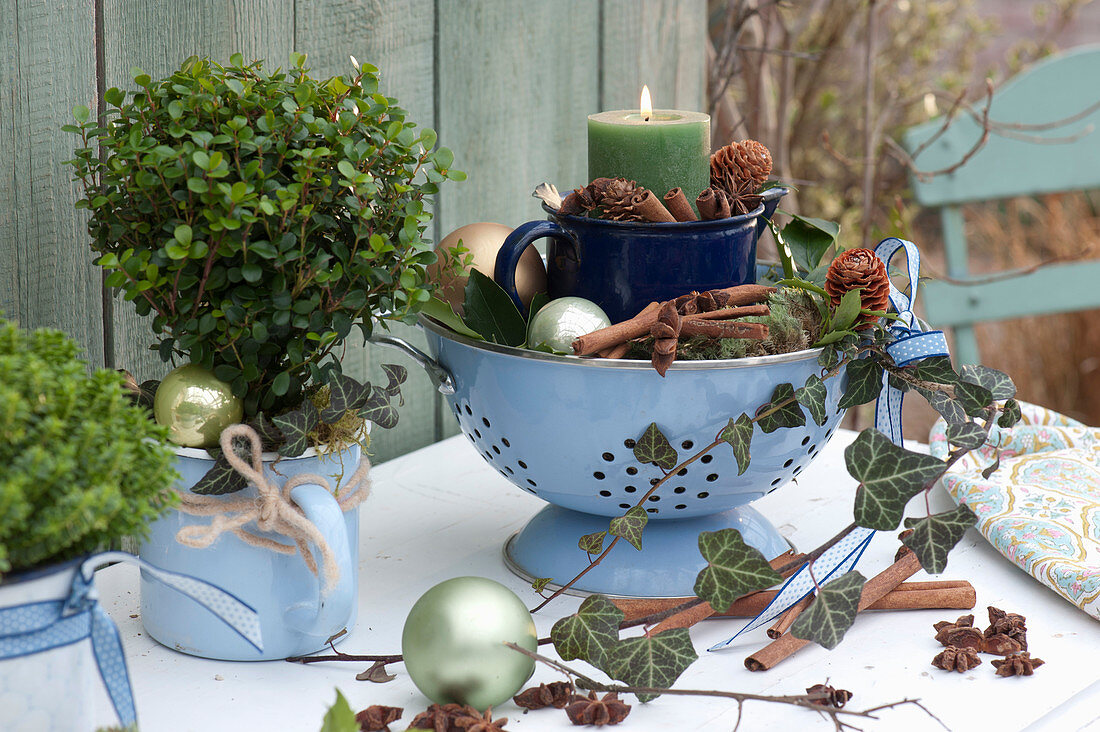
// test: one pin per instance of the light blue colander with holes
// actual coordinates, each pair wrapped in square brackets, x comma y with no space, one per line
[563,428]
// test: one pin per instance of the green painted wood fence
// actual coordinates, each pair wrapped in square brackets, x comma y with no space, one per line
[506,83]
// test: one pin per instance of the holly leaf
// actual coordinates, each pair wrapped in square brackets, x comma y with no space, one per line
[785,416]
[652,661]
[997,382]
[344,393]
[739,436]
[812,397]
[592,543]
[339,717]
[888,475]
[967,435]
[489,311]
[379,410]
[847,310]
[809,239]
[832,612]
[220,480]
[935,536]
[733,568]
[972,398]
[588,633]
[1010,414]
[950,409]
[296,427]
[864,382]
[653,447]
[630,525]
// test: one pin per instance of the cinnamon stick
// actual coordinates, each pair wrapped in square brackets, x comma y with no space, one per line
[724,329]
[780,626]
[615,351]
[729,313]
[613,335]
[873,590]
[677,204]
[649,207]
[712,204]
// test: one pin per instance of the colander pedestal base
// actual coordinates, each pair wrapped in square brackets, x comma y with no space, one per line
[665,567]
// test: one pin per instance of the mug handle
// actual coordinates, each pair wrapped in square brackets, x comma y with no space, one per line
[320,506]
[508,256]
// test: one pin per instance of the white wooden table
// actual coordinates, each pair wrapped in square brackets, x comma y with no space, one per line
[442,512]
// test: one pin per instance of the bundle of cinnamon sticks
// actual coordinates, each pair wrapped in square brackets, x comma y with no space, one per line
[712,313]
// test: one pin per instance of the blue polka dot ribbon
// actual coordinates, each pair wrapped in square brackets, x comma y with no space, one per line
[912,342]
[41,626]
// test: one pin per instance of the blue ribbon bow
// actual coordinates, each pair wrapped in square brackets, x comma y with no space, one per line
[41,626]
[912,342]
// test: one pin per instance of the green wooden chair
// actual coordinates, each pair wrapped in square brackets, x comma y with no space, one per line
[1058,88]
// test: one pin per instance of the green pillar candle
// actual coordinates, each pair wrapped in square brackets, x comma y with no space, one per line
[671,149]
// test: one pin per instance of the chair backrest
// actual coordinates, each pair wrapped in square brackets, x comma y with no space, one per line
[1064,87]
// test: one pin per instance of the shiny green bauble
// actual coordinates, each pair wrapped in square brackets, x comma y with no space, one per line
[453,643]
[561,321]
[195,406]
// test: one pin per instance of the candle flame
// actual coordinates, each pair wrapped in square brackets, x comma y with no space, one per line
[646,105]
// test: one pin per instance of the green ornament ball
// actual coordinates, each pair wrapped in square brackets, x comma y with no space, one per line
[195,406]
[561,321]
[453,643]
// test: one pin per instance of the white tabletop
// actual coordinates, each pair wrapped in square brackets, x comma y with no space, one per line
[442,512]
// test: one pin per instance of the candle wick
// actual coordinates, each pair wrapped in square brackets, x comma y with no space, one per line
[645,119]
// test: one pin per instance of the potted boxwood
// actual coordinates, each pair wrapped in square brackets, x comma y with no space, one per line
[83,467]
[258,217]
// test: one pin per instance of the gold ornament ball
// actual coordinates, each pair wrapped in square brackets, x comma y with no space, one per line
[483,240]
[195,406]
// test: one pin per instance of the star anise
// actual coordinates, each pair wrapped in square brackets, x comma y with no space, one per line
[958,659]
[1001,645]
[597,712]
[835,698]
[945,627]
[1011,624]
[556,694]
[474,721]
[1017,664]
[439,718]
[376,718]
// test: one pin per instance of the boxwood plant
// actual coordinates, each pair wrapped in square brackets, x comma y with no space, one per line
[258,216]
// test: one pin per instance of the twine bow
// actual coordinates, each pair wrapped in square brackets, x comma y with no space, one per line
[272,509]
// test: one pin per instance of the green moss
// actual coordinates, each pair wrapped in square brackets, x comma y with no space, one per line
[82,465]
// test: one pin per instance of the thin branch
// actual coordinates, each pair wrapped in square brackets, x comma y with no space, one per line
[781,52]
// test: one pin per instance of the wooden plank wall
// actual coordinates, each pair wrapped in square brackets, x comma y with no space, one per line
[507,85]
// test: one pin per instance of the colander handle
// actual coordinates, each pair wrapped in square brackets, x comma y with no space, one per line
[440,376]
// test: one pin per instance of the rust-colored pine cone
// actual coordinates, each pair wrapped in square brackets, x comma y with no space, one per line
[859,268]
[617,200]
[740,168]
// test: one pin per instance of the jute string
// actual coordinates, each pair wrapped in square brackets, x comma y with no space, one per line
[271,509]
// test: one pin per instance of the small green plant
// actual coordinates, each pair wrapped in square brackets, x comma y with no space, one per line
[83,466]
[260,216]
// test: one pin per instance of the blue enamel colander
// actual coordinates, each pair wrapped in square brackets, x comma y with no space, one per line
[563,428]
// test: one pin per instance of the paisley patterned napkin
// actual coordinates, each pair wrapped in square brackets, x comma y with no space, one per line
[1041,508]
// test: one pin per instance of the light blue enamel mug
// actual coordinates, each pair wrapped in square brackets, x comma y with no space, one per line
[298,610]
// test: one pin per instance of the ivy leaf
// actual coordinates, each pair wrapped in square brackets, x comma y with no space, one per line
[997,382]
[630,525]
[339,717]
[968,435]
[147,392]
[935,536]
[379,410]
[296,427]
[788,415]
[271,437]
[344,393]
[653,661]
[220,480]
[812,397]
[733,568]
[1010,414]
[592,543]
[489,311]
[739,436]
[936,369]
[588,633]
[889,476]
[972,398]
[654,447]
[397,374]
[832,612]
[848,310]
[864,382]
[948,408]
[540,583]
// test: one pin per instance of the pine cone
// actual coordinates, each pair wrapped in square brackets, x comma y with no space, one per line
[377,718]
[740,168]
[859,268]
[617,200]
[597,712]
[958,659]
[556,694]
[1017,664]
